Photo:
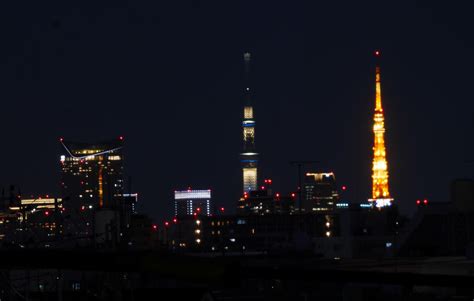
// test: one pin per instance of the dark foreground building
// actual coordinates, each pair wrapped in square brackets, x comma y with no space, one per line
[442,228]
[349,231]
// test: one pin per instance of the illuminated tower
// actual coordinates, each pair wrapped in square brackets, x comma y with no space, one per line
[380,192]
[249,157]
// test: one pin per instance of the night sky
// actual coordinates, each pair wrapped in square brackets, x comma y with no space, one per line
[168,75]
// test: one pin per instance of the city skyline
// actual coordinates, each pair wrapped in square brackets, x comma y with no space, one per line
[164,114]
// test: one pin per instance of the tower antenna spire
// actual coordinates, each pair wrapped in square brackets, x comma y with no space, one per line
[378,90]
[247,57]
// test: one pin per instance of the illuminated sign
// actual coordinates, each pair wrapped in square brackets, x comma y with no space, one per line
[192,194]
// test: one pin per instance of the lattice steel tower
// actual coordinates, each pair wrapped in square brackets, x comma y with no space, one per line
[249,157]
[380,192]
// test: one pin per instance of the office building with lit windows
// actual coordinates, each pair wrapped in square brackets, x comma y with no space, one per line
[319,192]
[91,184]
[264,202]
[35,221]
[192,202]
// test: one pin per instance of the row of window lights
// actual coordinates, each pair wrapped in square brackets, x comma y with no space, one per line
[219,223]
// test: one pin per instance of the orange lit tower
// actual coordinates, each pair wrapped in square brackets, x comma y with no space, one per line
[380,193]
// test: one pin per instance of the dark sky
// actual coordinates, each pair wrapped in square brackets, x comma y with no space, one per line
[168,75]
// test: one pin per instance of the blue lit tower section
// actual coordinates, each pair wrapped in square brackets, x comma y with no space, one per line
[249,156]
[192,202]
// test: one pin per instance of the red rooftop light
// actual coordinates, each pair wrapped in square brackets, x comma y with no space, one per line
[121,138]
[155,227]
[222,209]
[344,187]
[175,220]
[377,53]
[418,202]
[425,202]
[61,139]
[167,224]
[292,195]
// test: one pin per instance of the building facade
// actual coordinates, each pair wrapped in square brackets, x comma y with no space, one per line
[192,202]
[320,192]
[264,202]
[91,184]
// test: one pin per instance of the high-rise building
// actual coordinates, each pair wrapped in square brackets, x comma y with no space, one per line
[91,181]
[380,192]
[249,156]
[320,192]
[192,202]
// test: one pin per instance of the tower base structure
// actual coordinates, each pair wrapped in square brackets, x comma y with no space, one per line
[381,202]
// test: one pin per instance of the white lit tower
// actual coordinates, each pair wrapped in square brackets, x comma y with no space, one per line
[249,157]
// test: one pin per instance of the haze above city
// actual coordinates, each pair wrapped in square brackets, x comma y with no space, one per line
[171,82]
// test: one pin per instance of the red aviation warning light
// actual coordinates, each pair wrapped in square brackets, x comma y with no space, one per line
[377,53]
[293,195]
[121,138]
[155,227]
[422,203]
[344,187]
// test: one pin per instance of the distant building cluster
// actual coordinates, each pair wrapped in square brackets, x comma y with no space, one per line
[95,208]
[92,210]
